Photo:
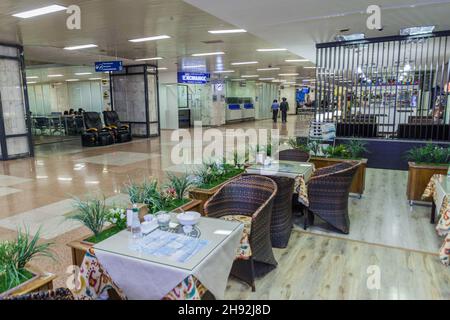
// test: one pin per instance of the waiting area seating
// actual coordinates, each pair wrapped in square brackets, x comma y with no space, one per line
[248,199]
[98,135]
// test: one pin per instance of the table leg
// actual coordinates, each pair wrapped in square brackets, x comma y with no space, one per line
[433,212]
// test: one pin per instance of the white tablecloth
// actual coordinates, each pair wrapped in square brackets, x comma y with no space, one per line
[145,280]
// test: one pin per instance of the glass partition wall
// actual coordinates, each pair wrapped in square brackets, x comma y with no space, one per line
[15,124]
[390,87]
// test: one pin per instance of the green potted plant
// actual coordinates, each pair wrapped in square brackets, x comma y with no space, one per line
[351,150]
[210,177]
[101,220]
[423,163]
[16,275]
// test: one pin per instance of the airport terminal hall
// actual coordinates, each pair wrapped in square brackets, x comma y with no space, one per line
[222,150]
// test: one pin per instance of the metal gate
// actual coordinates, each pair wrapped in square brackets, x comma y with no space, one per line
[389,87]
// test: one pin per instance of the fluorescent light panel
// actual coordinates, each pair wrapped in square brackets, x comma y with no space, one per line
[296,60]
[271,50]
[227,31]
[84,46]
[72,80]
[39,11]
[266,79]
[83,73]
[350,37]
[32,77]
[55,75]
[224,71]
[150,38]
[31,82]
[93,79]
[162,68]
[208,54]
[267,69]
[149,59]
[309,67]
[250,76]
[288,74]
[244,63]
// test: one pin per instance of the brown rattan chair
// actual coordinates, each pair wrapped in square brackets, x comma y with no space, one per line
[57,294]
[249,196]
[328,191]
[294,155]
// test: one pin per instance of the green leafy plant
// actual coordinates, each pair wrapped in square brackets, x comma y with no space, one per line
[118,217]
[145,192]
[314,147]
[179,184]
[91,213]
[213,174]
[15,255]
[429,154]
[356,148]
[294,144]
[339,151]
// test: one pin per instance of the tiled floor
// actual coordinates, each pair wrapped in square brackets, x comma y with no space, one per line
[317,265]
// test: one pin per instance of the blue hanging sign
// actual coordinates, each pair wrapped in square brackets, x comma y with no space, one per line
[104,66]
[193,77]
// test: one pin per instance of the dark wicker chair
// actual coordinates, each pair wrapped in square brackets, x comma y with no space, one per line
[250,196]
[58,294]
[282,219]
[328,191]
[294,155]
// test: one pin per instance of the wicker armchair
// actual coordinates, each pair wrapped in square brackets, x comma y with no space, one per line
[328,191]
[294,155]
[249,196]
[58,294]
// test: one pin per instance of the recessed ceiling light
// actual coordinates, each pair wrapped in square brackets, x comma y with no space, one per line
[271,50]
[296,60]
[72,80]
[150,38]
[39,12]
[83,73]
[84,46]
[227,31]
[250,76]
[32,77]
[149,59]
[244,63]
[224,71]
[31,82]
[55,75]
[413,31]
[288,74]
[162,68]
[267,69]
[266,79]
[208,54]
[93,79]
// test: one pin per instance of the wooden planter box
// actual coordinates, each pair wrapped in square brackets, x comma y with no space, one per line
[40,282]
[80,247]
[419,175]
[359,181]
[204,194]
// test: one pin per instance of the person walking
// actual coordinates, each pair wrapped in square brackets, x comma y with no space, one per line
[284,107]
[275,108]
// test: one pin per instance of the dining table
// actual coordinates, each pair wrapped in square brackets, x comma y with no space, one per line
[164,262]
[438,190]
[301,172]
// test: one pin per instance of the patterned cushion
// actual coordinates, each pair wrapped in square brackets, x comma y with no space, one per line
[244,251]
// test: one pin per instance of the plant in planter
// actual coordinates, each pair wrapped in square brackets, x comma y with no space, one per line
[356,148]
[211,175]
[294,144]
[430,154]
[314,147]
[94,214]
[15,256]
[339,151]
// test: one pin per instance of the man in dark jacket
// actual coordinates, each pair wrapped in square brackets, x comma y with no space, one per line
[284,107]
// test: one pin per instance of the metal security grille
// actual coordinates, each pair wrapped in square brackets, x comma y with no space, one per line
[389,87]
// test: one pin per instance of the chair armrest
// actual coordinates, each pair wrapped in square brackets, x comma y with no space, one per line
[92,130]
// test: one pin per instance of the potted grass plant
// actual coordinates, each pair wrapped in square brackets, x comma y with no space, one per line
[330,155]
[423,163]
[17,277]
[102,221]
[211,177]
[178,187]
